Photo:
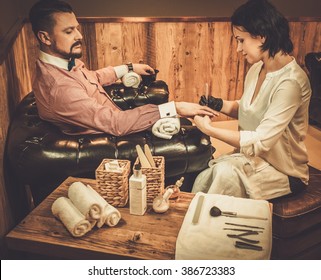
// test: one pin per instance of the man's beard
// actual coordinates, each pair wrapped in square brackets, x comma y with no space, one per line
[75,55]
[70,54]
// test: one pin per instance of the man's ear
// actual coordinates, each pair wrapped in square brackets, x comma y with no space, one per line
[44,37]
[262,39]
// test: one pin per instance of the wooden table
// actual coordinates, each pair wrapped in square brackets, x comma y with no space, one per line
[152,236]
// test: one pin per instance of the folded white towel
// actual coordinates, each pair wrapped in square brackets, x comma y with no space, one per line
[70,216]
[166,127]
[93,205]
[79,195]
[208,238]
[131,79]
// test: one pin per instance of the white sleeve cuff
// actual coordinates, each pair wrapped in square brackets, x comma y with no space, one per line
[121,70]
[167,110]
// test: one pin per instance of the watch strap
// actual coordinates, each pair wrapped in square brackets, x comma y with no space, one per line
[130,67]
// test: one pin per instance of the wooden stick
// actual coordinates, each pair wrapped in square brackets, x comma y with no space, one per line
[206,91]
[142,158]
[198,209]
[149,155]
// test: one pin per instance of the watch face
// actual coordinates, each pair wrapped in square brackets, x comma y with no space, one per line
[130,66]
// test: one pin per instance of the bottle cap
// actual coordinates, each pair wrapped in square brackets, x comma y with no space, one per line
[179,182]
[138,166]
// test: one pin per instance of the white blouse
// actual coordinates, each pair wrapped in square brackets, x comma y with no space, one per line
[274,126]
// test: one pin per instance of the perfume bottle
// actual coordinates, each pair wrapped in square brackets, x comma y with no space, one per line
[176,188]
[161,202]
[137,192]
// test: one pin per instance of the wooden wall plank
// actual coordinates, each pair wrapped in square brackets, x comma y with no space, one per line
[119,43]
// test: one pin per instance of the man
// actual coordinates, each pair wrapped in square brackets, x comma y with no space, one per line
[75,100]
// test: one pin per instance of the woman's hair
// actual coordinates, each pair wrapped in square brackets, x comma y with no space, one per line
[260,18]
[41,14]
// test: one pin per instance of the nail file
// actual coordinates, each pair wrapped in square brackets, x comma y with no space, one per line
[149,155]
[198,210]
[142,158]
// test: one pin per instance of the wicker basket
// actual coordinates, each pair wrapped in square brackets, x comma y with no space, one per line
[113,186]
[155,178]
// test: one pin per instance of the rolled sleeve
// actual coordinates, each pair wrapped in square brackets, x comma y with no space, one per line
[121,70]
[250,143]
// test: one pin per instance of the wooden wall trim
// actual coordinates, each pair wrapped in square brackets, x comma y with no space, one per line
[8,39]
[178,19]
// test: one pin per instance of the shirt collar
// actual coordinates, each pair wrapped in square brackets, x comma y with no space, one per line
[57,61]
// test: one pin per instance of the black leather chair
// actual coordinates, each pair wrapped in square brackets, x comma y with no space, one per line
[39,155]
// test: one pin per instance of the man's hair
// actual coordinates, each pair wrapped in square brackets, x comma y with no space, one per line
[260,18]
[41,14]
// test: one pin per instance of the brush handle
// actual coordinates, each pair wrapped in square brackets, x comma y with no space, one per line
[250,217]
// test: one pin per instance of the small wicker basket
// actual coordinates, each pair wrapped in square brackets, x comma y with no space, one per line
[113,186]
[155,178]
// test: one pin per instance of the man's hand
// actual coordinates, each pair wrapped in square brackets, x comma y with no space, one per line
[143,69]
[203,123]
[187,109]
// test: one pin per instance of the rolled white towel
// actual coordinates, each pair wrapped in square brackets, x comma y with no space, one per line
[110,216]
[131,79]
[166,127]
[70,216]
[88,205]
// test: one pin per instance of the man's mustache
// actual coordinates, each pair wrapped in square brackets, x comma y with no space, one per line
[78,43]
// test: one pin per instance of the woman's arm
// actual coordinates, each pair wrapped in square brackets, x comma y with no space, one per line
[230,108]
[230,137]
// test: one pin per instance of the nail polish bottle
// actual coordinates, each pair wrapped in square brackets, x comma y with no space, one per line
[176,188]
[137,192]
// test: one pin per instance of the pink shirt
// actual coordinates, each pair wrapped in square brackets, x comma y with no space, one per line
[76,102]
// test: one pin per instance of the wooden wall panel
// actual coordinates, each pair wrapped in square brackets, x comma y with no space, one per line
[119,43]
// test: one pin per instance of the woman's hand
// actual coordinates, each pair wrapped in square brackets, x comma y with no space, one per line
[187,109]
[143,69]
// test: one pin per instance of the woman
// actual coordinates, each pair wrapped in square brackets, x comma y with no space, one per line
[272,113]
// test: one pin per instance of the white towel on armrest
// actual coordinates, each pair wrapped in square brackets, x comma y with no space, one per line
[166,127]
[131,79]
[70,216]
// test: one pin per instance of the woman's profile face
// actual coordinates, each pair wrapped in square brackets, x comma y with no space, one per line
[248,45]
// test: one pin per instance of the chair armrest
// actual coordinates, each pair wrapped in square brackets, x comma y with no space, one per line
[155,92]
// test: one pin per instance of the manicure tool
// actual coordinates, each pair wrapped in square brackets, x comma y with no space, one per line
[215,212]
[149,155]
[142,158]
[247,226]
[244,230]
[198,209]
[244,245]
[241,237]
